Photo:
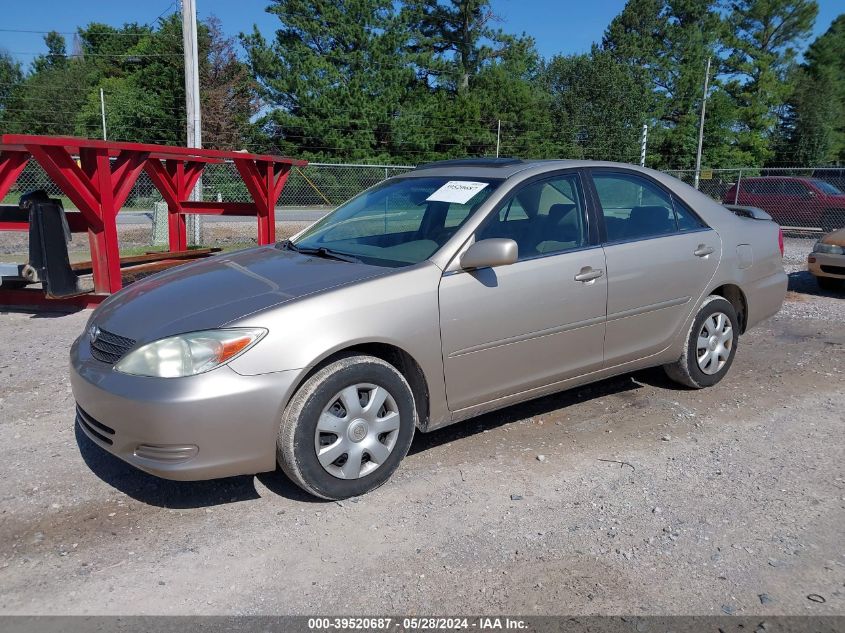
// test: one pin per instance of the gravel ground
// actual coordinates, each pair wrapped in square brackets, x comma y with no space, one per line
[630,496]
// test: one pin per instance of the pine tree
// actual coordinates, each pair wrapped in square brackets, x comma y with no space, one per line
[763,36]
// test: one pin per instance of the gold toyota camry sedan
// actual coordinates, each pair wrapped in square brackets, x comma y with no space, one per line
[456,289]
[827,261]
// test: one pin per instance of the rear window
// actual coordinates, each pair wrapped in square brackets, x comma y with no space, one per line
[827,187]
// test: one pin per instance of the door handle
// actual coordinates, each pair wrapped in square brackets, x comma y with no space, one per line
[588,273]
[703,250]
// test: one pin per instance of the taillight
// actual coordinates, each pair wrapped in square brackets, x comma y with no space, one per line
[780,240]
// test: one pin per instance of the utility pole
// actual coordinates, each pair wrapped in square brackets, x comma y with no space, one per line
[103,112]
[643,145]
[701,124]
[498,136]
[192,91]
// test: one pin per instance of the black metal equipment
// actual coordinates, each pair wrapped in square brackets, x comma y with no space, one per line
[49,235]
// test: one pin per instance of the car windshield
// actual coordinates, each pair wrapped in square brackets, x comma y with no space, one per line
[399,222]
[827,187]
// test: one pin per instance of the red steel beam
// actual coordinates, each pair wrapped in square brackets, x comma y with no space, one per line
[31,298]
[11,166]
[219,208]
[73,181]
[99,190]
[125,174]
[169,151]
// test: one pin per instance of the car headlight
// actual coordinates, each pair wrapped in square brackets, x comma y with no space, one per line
[830,249]
[189,354]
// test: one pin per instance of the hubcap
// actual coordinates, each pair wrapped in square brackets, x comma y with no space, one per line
[715,341]
[357,431]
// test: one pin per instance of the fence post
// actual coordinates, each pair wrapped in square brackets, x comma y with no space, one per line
[643,145]
[738,183]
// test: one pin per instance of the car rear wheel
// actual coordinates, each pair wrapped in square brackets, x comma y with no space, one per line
[711,345]
[347,428]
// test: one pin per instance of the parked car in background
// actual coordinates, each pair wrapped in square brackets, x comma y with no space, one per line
[834,175]
[455,289]
[827,261]
[792,201]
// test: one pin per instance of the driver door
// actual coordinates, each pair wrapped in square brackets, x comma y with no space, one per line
[510,329]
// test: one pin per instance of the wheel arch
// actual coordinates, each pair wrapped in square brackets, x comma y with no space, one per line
[734,294]
[404,363]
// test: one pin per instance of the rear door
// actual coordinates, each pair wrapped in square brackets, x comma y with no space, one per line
[660,256]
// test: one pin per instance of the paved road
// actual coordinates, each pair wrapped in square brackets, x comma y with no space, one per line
[282,214]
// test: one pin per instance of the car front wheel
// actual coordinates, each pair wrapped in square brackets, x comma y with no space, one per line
[710,347]
[347,428]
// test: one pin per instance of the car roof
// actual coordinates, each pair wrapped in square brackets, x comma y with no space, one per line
[505,167]
[792,178]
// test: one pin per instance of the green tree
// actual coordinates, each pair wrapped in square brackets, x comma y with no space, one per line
[141,72]
[668,43]
[49,98]
[10,76]
[228,92]
[474,81]
[56,56]
[813,126]
[512,89]
[454,39]
[598,106]
[763,36]
[335,75]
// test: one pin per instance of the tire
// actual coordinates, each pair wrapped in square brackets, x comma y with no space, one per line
[829,283]
[687,370]
[318,415]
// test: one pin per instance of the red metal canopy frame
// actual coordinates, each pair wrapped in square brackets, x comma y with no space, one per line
[102,180]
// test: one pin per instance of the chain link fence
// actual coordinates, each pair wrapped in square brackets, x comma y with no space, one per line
[316,185]
[803,198]
[309,192]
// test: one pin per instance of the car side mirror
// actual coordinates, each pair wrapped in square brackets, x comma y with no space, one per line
[496,251]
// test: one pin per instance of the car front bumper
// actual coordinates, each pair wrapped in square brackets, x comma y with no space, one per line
[215,424]
[826,265]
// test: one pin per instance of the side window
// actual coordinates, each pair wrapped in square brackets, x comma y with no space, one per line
[633,207]
[687,220]
[793,188]
[767,187]
[543,218]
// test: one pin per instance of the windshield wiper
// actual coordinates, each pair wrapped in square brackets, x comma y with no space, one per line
[328,253]
[322,251]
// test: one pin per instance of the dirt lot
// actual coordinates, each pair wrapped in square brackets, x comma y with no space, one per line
[727,500]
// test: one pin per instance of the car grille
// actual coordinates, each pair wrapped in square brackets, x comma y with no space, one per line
[97,429]
[110,348]
[833,270]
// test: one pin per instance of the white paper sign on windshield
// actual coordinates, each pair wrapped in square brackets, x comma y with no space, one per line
[460,191]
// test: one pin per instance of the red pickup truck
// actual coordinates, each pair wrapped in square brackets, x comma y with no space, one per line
[791,201]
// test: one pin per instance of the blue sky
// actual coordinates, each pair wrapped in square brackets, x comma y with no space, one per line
[571,29]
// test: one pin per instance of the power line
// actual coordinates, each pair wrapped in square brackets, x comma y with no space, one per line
[84,55]
[83,32]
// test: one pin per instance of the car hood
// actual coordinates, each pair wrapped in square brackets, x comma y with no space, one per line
[835,237]
[220,289]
